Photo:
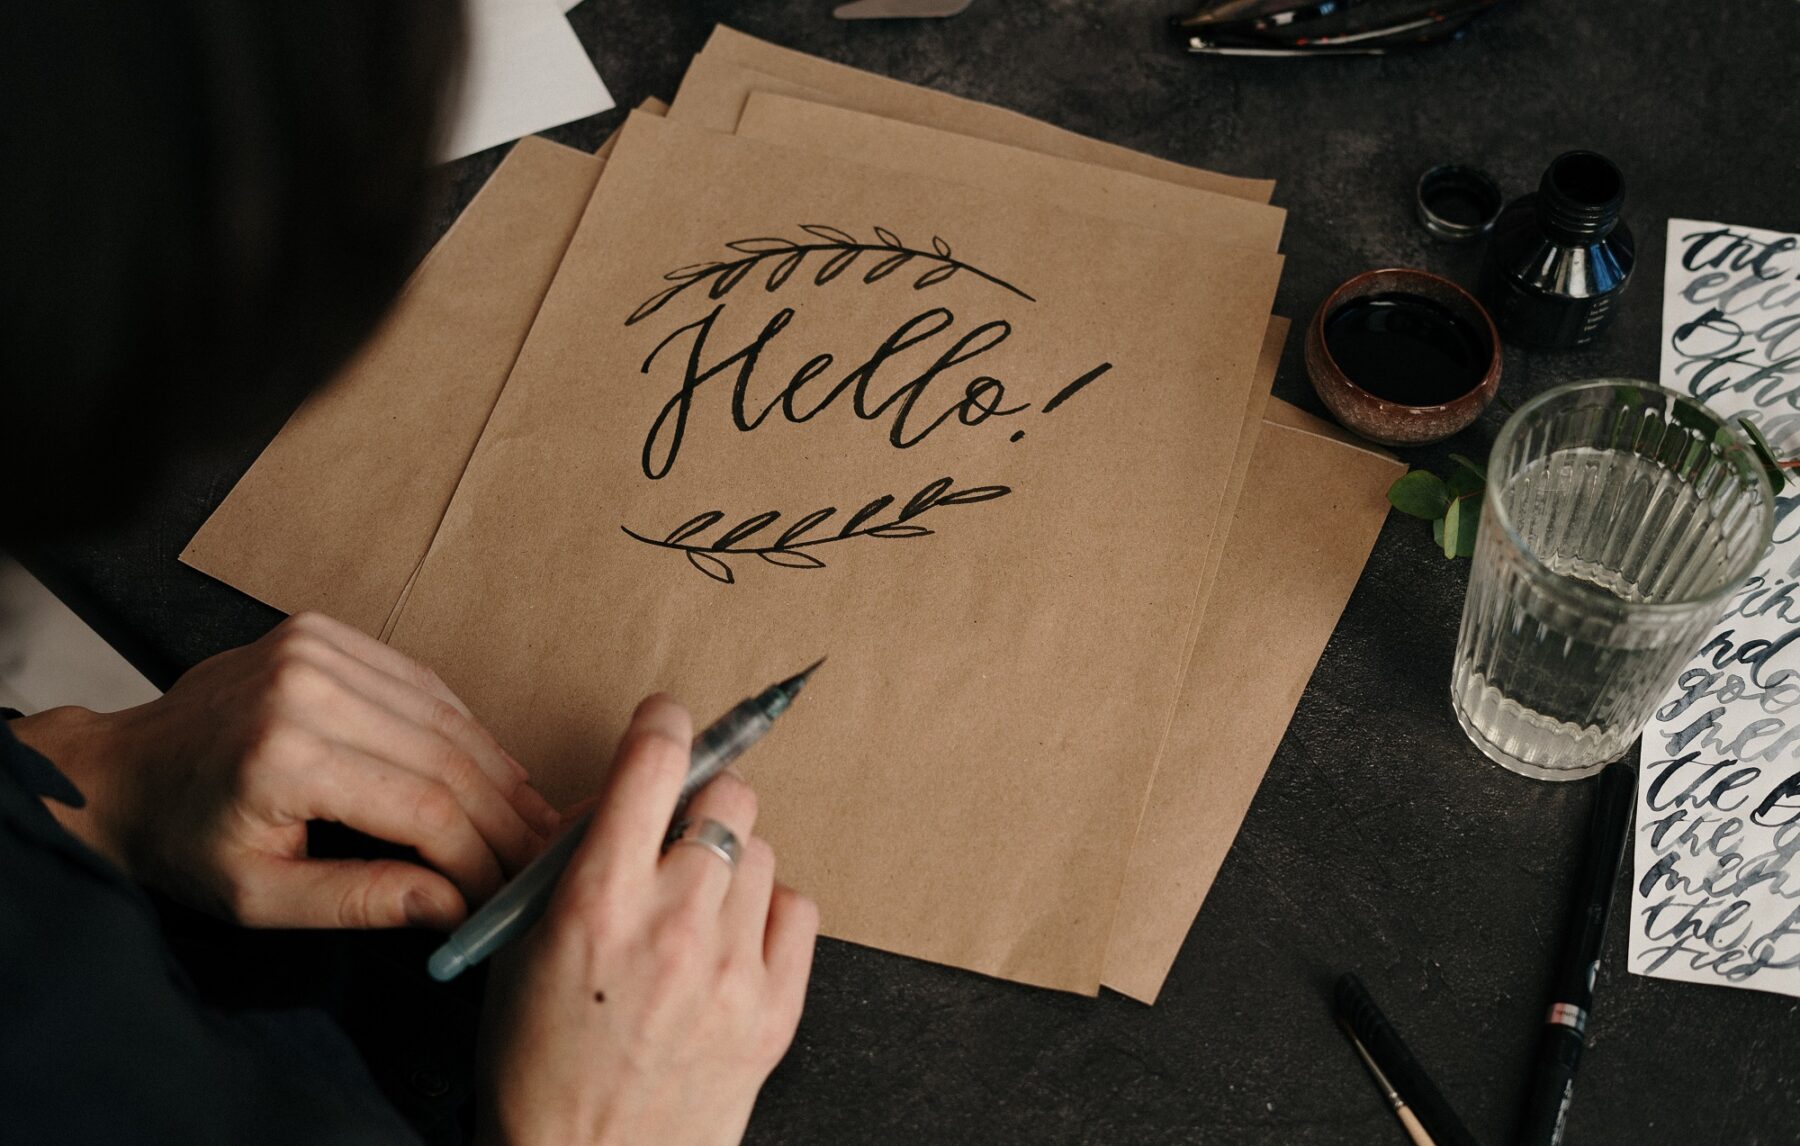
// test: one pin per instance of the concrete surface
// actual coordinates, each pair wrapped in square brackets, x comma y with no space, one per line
[1381,840]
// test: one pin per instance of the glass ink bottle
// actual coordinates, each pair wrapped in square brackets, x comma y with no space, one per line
[1560,256]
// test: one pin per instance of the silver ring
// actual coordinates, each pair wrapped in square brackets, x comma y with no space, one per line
[711,835]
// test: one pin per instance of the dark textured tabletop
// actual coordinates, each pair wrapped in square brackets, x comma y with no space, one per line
[1381,840]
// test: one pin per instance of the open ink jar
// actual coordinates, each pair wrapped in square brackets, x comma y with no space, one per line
[1403,357]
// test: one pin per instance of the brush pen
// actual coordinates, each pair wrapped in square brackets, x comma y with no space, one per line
[1395,1065]
[1572,992]
[519,904]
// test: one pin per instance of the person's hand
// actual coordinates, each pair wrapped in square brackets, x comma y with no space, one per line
[205,792]
[659,990]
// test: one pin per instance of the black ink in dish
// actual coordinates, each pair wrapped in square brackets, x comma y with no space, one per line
[1406,348]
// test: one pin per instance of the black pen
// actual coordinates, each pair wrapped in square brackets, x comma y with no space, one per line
[1394,1067]
[1572,993]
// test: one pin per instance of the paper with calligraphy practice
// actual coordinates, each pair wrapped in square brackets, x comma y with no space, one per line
[776,406]
[1716,894]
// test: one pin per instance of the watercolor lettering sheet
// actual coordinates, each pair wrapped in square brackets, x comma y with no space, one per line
[1716,889]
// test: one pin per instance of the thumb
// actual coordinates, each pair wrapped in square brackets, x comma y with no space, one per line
[356,894]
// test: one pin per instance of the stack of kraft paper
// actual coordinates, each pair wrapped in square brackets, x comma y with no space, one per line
[814,362]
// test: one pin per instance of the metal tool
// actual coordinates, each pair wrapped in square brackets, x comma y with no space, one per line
[1287,28]
[899,9]
[1262,14]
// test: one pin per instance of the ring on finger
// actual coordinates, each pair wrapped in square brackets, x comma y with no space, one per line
[711,835]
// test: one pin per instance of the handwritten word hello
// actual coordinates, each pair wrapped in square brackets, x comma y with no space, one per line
[808,393]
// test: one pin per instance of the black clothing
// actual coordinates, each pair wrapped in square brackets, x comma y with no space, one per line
[103,1036]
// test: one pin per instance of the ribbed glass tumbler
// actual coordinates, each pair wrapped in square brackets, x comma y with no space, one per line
[1618,519]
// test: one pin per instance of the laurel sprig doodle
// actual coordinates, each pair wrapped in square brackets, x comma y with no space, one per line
[791,547]
[838,249]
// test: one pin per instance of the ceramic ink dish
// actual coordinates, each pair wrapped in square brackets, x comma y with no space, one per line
[1403,357]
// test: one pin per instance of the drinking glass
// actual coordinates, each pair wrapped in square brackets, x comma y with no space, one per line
[1619,517]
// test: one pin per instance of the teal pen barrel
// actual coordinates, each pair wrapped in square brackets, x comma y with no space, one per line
[513,909]
[722,742]
[522,901]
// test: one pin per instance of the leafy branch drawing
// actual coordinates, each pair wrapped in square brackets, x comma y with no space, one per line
[790,549]
[888,252]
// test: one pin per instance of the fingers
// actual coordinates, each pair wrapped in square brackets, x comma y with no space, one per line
[788,943]
[692,870]
[374,730]
[370,794]
[436,715]
[744,916]
[641,793]
[279,891]
[370,651]
[328,644]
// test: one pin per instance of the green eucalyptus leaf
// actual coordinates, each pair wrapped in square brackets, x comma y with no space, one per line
[1460,522]
[1697,420]
[1437,532]
[1465,540]
[1475,468]
[1463,482]
[1696,453]
[1419,494]
[1765,456]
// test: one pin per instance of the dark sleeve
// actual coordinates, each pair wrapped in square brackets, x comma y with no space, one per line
[102,1040]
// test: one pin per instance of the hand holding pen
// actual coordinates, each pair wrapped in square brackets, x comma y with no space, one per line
[662,985]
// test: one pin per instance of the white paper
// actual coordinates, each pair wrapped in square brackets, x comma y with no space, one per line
[1716,894]
[48,657]
[526,71]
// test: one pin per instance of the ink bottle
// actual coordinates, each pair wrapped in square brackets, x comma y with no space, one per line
[1560,256]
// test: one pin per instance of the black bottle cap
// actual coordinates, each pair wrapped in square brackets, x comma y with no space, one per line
[1457,203]
[1580,195]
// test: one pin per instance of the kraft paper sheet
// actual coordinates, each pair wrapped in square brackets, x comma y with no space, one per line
[565,543]
[337,512]
[339,509]
[1029,176]
[1149,928]
[1194,803]
[894,99]
[1312,507]
[874,141]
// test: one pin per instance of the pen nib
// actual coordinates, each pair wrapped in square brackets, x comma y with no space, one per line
[792,685]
